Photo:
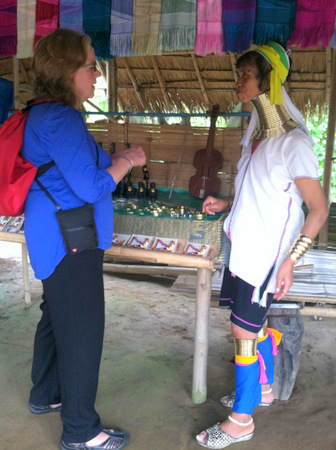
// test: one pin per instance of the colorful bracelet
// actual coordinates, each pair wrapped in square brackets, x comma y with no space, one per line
[299,247]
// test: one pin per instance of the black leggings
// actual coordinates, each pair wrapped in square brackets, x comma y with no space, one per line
[68,343]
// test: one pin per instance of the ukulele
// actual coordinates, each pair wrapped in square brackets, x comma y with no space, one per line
[207,162]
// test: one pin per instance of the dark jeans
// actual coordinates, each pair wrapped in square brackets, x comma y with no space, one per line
[68,343]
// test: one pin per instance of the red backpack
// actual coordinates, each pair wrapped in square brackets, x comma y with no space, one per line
[16,174]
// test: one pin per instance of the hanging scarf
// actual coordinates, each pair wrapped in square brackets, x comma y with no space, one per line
[96,23]
[238,24]
[209,28]
[8,37]
[314,23]
[146,23]
[26,10]
[178,25]
[333,39]
[47,12]
[121,27]
[71,15]
[275,21]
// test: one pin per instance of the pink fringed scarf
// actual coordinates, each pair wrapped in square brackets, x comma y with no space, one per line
[47,18]
[8,37]
[209,28]
[314,23]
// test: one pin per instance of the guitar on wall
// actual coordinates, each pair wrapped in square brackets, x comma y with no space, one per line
[207,161]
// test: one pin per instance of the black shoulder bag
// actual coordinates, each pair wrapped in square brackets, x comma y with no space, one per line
[77,225]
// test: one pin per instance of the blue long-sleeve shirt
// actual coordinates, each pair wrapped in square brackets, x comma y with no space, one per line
[57,132]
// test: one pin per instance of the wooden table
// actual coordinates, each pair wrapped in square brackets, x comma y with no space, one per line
[204,268]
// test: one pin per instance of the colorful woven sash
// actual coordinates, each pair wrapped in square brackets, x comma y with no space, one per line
[71,15]
[275,21]
[209,28]
[96,23]
[8,37]
[238,24]
[314,23]
[47,12]
[146,23]
[178,25]
[26,10]
[121,27]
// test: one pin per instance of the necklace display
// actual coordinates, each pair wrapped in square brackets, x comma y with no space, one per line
[274,120]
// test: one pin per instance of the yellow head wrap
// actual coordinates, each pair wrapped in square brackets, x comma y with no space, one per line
[278,59]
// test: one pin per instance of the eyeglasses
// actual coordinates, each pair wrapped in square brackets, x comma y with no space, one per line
[94,67]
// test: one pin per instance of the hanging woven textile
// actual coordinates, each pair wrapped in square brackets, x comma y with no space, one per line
[71,15]
[121,27]
[275,20]
[96,23]
[209,37]
[238,24]
[178,25]
[146,22]
[333,38]
[8,37]
[47,13]
[26,13]
[314,23]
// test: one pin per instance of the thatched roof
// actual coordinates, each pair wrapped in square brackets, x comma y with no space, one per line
[175,82]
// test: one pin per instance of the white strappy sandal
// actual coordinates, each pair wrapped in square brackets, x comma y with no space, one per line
[218,439]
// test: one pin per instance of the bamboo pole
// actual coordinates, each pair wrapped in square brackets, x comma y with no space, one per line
[316,311]
[161,82]
[200,80]
[148,270]
[156,257]
[25,274]
[202,316]
[328,160]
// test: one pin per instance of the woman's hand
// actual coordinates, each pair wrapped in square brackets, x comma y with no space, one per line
[284,279]
[125,160]
[212,205]
[135,154]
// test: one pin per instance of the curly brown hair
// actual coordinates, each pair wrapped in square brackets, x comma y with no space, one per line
[57,58]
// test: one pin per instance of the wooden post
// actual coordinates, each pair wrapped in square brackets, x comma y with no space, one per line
[328,161]
[203,295]
[25,275]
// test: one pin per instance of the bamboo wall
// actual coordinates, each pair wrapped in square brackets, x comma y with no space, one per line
[163,145]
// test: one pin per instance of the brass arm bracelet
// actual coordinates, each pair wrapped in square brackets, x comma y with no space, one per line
[299,247]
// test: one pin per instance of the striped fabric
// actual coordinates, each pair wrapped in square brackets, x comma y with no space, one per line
[238,24]
[121,27]
[314,23]
[47,12]
[209,28]
[275,21]
[71,15]
[26,10]
[146,22]
[178,25]
[96,23]
[8,37]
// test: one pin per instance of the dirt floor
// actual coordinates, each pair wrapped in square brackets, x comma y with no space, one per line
[146,371]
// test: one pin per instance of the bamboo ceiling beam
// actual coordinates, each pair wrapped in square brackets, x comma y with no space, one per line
[134,82]
[161,82]
[199,77]
[233,60]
